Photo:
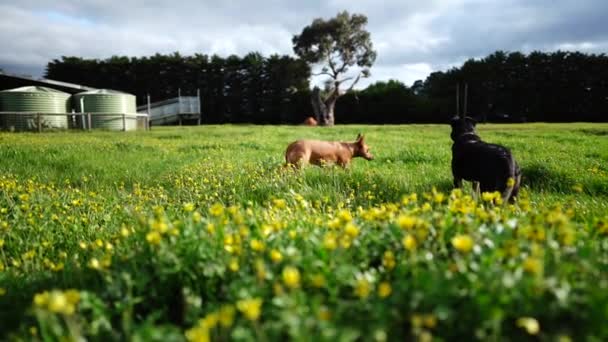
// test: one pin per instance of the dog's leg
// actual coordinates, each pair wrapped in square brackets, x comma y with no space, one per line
[506,195]
[476,190]
[515,191]
[457,182]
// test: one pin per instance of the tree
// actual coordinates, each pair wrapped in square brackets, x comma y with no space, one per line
[337,44]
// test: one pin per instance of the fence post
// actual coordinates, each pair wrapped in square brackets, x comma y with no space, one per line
[148,118]
[124,122]
[89,121]
[39,122]
[200,110]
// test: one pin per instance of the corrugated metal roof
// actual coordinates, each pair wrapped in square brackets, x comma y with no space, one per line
[103,92]
[34,89]
[46,81]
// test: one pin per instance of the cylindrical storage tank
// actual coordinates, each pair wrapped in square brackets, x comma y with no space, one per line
[106,108]
[33,99]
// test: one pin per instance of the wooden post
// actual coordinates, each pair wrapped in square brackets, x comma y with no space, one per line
[180,119]
[457,99]
[148,119]
[82,118]
[89,121]
[39,119]
[124,122]
[466,93]
[200,110]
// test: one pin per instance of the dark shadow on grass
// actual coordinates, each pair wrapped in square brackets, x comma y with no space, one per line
[594,131]
[539,177]
[411,157]
[195,148]
[169,137]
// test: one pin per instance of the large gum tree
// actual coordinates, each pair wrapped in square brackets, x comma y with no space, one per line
[342,48]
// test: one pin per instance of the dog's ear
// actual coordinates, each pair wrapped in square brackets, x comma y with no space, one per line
[455,120]
[359,137]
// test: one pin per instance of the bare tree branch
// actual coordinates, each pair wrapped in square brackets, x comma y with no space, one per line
[332,66]
[354,82]
[322,73]
[346,79]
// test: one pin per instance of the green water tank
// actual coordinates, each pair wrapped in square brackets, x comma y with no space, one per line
[33,99]
[106,101]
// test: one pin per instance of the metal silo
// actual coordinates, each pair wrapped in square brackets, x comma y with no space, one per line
[33,100]
[103,102]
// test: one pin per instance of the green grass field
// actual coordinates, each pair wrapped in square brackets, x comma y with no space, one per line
[199,233]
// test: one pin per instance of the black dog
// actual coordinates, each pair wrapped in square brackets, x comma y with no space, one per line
[489,165]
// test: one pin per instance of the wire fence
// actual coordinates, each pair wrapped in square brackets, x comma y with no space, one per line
[36,121]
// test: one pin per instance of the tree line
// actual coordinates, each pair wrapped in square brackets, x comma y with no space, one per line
[233,89]
[553,87]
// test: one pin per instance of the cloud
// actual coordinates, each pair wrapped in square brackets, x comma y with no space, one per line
[412,38]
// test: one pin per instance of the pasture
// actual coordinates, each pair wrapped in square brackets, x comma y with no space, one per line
[199,233]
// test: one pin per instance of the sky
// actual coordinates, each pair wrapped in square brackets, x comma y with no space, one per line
[412,38]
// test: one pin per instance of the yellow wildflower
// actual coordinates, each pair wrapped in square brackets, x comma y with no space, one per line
[384,289]
[406,222]
[153,238]
[438,197]
[577,188]
[57,302]
[276,256]
[188,207]
[94,264]
[226,315]
[318,280]
[198,334]
[216,210]
[257,245]
[330,242]
[234,264]
[291,277]
[324,314]
[345,216]
[533,266]
[209,321]
[388,260]
[279,203]
[362,288]
[124,232]
[463,243]
[251,308]
[409,242]
[210,228]
[351,230]
[488,196]
[529,324]
[429,321]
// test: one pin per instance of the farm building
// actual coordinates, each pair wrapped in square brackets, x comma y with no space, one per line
[178,110]
[11,81]
[30,104]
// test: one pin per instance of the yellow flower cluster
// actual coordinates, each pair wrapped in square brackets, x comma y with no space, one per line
[201,332]
[57,301]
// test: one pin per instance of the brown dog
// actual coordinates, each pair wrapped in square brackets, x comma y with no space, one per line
[310,121]
[317,152]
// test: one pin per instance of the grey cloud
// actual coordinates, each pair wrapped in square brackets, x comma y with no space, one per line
[411,37]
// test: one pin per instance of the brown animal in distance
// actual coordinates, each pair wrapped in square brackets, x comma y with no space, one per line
[318,152]
[310,121]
